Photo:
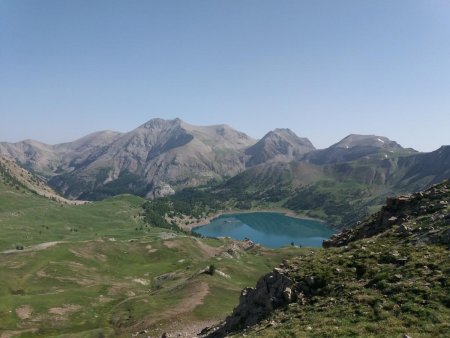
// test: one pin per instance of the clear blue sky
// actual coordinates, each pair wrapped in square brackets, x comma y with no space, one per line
[322,68]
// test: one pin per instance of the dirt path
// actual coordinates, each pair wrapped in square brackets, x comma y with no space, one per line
[37,247]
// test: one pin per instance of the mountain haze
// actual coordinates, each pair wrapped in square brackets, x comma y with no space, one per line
[161,157]
[153,159]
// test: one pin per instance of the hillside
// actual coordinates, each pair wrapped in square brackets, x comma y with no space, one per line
[20,179]
[345,184]
[103,269]
[354,147]
[389,276]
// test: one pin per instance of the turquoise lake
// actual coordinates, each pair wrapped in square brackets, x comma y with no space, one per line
[270,229]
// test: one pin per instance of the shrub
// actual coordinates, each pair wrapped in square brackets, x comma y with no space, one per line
[211,270]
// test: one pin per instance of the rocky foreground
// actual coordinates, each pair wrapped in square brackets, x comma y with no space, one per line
[388,276]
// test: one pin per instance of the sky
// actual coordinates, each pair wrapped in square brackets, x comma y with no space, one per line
[324,69]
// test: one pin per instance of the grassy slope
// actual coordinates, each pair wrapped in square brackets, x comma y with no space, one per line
[107,278]
[388,300]
[391,284]
[26,218]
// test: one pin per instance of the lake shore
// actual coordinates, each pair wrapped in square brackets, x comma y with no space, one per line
[285,212]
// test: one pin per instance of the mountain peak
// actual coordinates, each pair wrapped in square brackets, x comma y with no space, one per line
[158,123]
[279,145]
[357,140]
[282,130]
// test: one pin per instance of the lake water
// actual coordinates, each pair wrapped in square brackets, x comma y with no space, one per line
[268,228]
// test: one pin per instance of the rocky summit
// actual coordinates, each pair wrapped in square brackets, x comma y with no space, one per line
[388,276]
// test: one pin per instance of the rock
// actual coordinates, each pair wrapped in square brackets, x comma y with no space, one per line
[287,295]
[272,323]
[301,299]
[404,229]
[272,291]
[392,219]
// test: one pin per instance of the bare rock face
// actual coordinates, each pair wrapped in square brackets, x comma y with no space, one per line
[272,291]
[161,191]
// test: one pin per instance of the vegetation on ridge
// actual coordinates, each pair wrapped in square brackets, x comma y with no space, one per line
[389,276]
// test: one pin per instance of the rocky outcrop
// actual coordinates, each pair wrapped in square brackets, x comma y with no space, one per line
[401,214]
[272,291]
[275,290]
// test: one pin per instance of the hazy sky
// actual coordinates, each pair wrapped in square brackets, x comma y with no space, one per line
[322,68]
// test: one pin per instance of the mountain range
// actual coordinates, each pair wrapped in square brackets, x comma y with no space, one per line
[164,156]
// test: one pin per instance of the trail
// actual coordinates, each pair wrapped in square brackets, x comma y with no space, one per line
[36,247]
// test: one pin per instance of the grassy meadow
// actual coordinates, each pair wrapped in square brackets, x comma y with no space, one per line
[97,270]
